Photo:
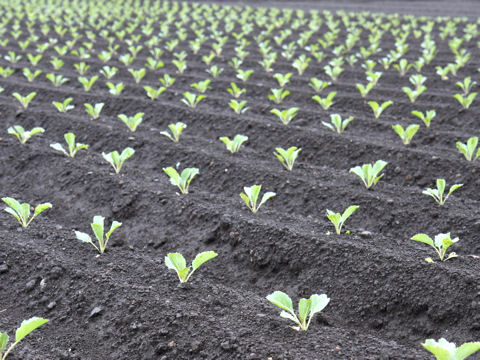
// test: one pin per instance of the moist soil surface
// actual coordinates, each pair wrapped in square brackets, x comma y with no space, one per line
[125,304]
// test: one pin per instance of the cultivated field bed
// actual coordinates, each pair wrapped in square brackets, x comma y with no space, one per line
[125,304]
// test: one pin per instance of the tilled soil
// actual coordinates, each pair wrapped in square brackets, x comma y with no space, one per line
[125,304]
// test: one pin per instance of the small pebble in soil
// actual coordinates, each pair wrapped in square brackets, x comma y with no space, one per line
[30,285]
[97,310]
[366,234]
[3,268]
[51,305]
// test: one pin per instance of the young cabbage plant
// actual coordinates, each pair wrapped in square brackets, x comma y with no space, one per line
[87,82]
[325,102]
[108,72]
[285,115]
[406,134]
[132,121]
[176,261]
[468,149]
[413,94]
[238,106]
[115,89]
[244,75]
[441,243]
[202,86]
[181,180]
[98,227]
[94,110]
[57,80]
[117,160]
[234,145]
[63,106]
[167,80]
[250,197]
[466,85]
[370,174]
[466,100]
[278,95]
[235,91]
[337,124]
[318,85]
[21,211]
[24,100]
[137,75]
[176,130]
[282,79]
[30,75]
[287,157]
[153,93]
[364,89]
[192,100]
[22,134]
[73,147]
[338,219]
[444,350]
[26,327]
[437,194]
[426,118]
[378,109]
[307,308]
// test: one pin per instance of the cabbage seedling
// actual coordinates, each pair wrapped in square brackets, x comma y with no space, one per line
[441,243]
[176,261]
[466,85]
[426,118]
[413,94]
[326,102]
[307,308]
[115,89]
[86,82]
[98,227]
[138,75]
[26,327]
[278,95]
[235,91]
[108,72]
[285,115]
[250,197]
[132,121]
[378,109]
[337,124]
[468,149]
[56,80]
[73,147]
[21,211]
[202,86]
[31,75]
[94,110]
[153,93]
[24,100]
[406,134]
[244,75]
[23,135]
[287,157]
[369,173]
[282,79]
[437,194]
[238,106]
[444,350]
[117,160]
[63,106]
[338,219]
[176,130]
[181,180]
[234,145]
[192,100]
[167,80]
[318,85]
[466,100]
[364,90]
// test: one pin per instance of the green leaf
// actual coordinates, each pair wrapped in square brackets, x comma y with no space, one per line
[42,207]
[115,225]
[202,258]
[466,350]
[319,302]
[438,349]
[98,227]
[304,307]
[175,261]
[267,196]
[83,237]
[349,211]
[28,326]
[423,238]
[173,174]
[3,342]
[282,300]
[13,203]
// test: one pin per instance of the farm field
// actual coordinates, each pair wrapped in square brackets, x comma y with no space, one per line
[179,62]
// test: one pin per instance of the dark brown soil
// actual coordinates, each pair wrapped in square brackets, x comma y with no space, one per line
[125,304]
